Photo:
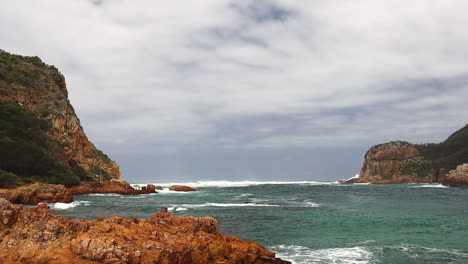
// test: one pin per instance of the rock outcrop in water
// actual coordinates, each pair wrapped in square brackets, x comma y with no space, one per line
[457,177]
[113,186]
[403,162]
[38,193]
[40,91]
[181,188]
[35,235]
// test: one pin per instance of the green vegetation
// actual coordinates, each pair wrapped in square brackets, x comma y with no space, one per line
[448,154]
[7,179]
[418,168]
[100,174]
[96,153]
[25,148]
[27,71]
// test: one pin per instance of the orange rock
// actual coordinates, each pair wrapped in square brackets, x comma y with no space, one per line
[181,188]
[35,235]
[38,193]
[114,186]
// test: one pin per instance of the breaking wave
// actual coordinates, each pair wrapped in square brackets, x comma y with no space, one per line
[64,206]
[198,184]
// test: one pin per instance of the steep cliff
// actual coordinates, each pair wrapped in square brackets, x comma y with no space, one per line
[403,162]
[40,91]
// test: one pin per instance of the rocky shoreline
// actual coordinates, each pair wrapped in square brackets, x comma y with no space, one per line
[35,235]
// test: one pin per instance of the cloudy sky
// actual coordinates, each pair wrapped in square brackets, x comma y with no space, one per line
[251,89]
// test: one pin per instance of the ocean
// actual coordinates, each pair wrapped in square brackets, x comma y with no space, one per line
[314,222]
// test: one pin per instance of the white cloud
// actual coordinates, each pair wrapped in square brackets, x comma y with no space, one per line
[159,73]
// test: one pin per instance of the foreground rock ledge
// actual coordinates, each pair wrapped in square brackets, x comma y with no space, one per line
[35,235]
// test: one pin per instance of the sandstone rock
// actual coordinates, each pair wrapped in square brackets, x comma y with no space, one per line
[181,188]
[392,163]
[47,98]
[38,193]
[114,186]
[457,177]
[35,235]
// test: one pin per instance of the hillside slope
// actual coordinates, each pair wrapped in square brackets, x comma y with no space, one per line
[403,162]
[40,116]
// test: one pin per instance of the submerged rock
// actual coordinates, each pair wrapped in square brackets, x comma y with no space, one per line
[114,186]
[38,193]
[181,188]
[35,235]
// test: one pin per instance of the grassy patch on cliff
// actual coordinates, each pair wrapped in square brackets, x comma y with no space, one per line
[448,154]
[26,151]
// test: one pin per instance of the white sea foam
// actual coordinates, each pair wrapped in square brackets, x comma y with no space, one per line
[104,194]
[198,184]
[311,204]
[438,185]
[229,205]
[167,191]
[177,209]
[304,255]
[64,206]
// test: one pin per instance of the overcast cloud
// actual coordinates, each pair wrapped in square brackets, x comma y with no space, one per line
[196,83]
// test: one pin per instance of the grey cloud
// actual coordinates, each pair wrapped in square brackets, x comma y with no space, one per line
[154,78]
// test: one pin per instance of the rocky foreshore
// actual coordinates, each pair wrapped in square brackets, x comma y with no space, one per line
[54,193]
[35,235]
[38,193]
[114,186]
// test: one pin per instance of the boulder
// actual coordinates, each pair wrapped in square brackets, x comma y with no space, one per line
[181,188]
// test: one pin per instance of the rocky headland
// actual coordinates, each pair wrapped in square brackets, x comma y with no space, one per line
[35,235]
[42,138]
[403,162]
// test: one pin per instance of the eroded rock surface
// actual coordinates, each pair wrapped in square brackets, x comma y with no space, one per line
[38,193]
[457,177]
[35,235]
[114,186]
[181,188]
[394,162]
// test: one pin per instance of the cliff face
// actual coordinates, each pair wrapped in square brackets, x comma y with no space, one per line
[35,235]
[403,162]
[457,177]
[41,90]
[393,162]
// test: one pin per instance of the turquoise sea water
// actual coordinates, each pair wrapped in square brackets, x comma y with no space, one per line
[312,222]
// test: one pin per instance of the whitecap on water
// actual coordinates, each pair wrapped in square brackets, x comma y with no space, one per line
[311,204]
[64,206]
[177,209]
[430,186]
[221,184]
[230,205]
[167,191]
[303,255]
[104,194]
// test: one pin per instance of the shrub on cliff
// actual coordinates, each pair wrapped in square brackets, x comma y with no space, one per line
[7,179]
[25,148]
